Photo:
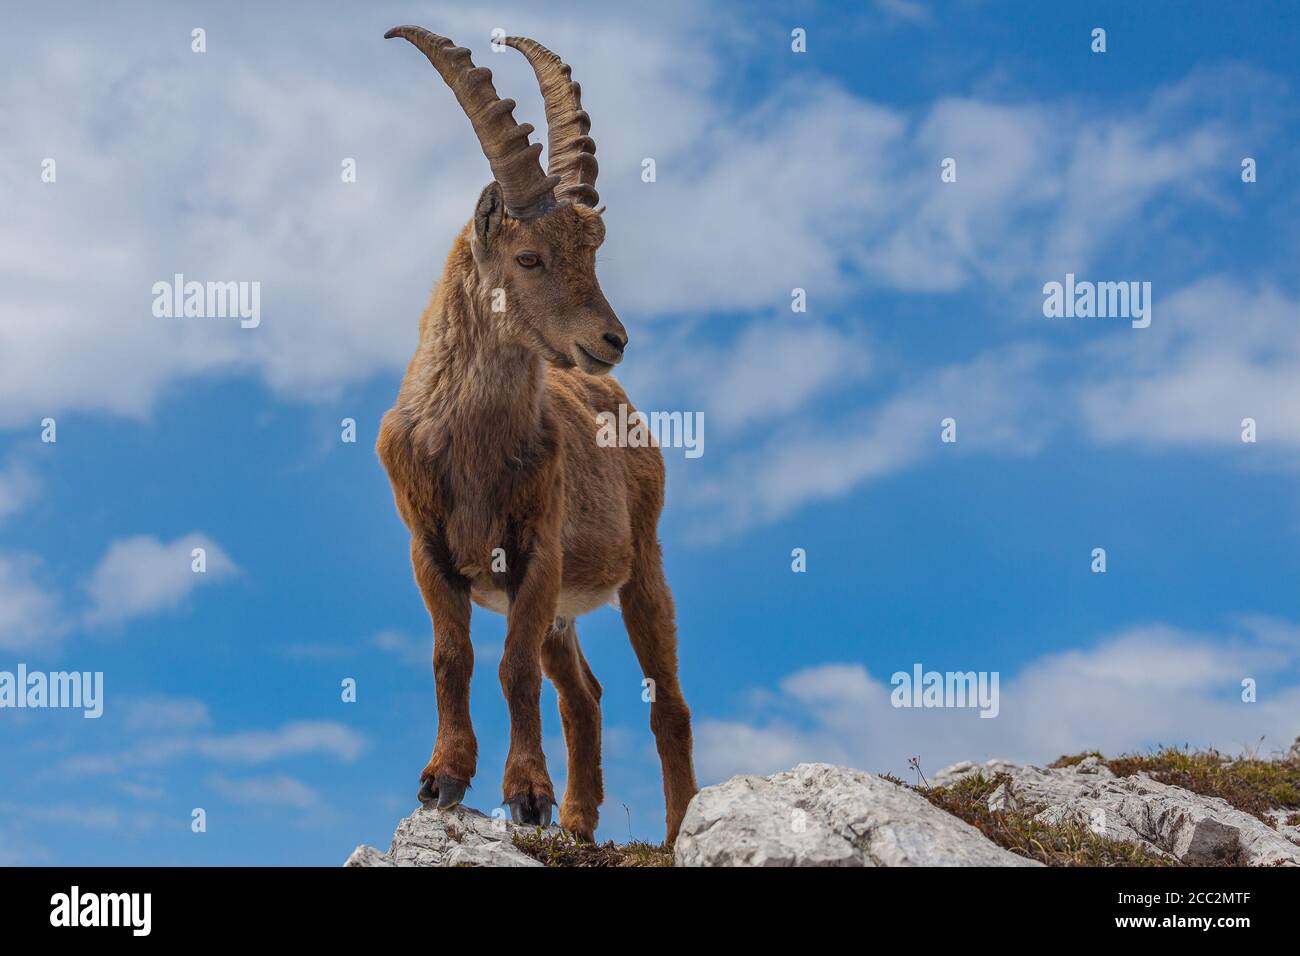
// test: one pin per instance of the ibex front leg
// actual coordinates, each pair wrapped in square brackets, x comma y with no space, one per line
[534,591]
[446,595]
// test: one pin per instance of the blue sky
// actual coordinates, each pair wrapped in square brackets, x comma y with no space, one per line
[775,170]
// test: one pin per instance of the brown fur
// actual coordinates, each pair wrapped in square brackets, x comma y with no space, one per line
[492,444]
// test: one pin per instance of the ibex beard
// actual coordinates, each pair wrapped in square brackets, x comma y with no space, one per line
[491,450]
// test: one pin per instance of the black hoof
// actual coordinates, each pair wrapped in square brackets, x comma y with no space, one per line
[442,791]
[527,811]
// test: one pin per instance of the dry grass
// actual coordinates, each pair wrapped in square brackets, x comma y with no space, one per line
[561,849]
[1020,833]
[1248,783]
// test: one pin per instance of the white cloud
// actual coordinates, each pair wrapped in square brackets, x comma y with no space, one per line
[16,854]
[77,816]
[140,791]
[1143,687]
[1217,352]
[174,713]
[909,11]
[990,223]
[770,369]
[991,398]
[415,651]
[812,186]
[291,740]
[768,201]
[1041,188]
[18,486]
[296,739]
[279,790]
[136,576]
[142,575]
[66,815]
[406,648]
[317,651]
[163,170]
[31,619]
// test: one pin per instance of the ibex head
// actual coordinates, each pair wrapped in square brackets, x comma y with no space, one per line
[535,233]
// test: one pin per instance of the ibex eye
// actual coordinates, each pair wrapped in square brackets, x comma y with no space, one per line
[528,260]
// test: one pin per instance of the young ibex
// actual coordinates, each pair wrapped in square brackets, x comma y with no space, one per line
[492,454]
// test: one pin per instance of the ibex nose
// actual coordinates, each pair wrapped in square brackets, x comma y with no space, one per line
[617,341]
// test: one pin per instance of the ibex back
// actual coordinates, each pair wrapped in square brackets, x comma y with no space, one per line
[492,454]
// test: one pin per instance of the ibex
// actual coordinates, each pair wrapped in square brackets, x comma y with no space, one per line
[492,454]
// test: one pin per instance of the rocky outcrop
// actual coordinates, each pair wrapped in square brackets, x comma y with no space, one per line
[459,837]
[367,856]
[1289,830]
[1166,820]
[821,815]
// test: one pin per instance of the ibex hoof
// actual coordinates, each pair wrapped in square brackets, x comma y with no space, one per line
[443,791]
[530,811]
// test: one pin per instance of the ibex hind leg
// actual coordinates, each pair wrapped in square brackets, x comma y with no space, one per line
[648,613]
[579,694]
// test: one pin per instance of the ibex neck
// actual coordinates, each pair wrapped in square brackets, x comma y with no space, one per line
[474,381]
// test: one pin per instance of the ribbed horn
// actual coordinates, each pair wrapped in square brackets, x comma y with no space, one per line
[528,191]
[572,153]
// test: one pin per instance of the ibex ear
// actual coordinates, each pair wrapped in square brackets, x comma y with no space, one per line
[488,216]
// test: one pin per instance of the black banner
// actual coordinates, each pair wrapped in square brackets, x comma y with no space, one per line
[334,905]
